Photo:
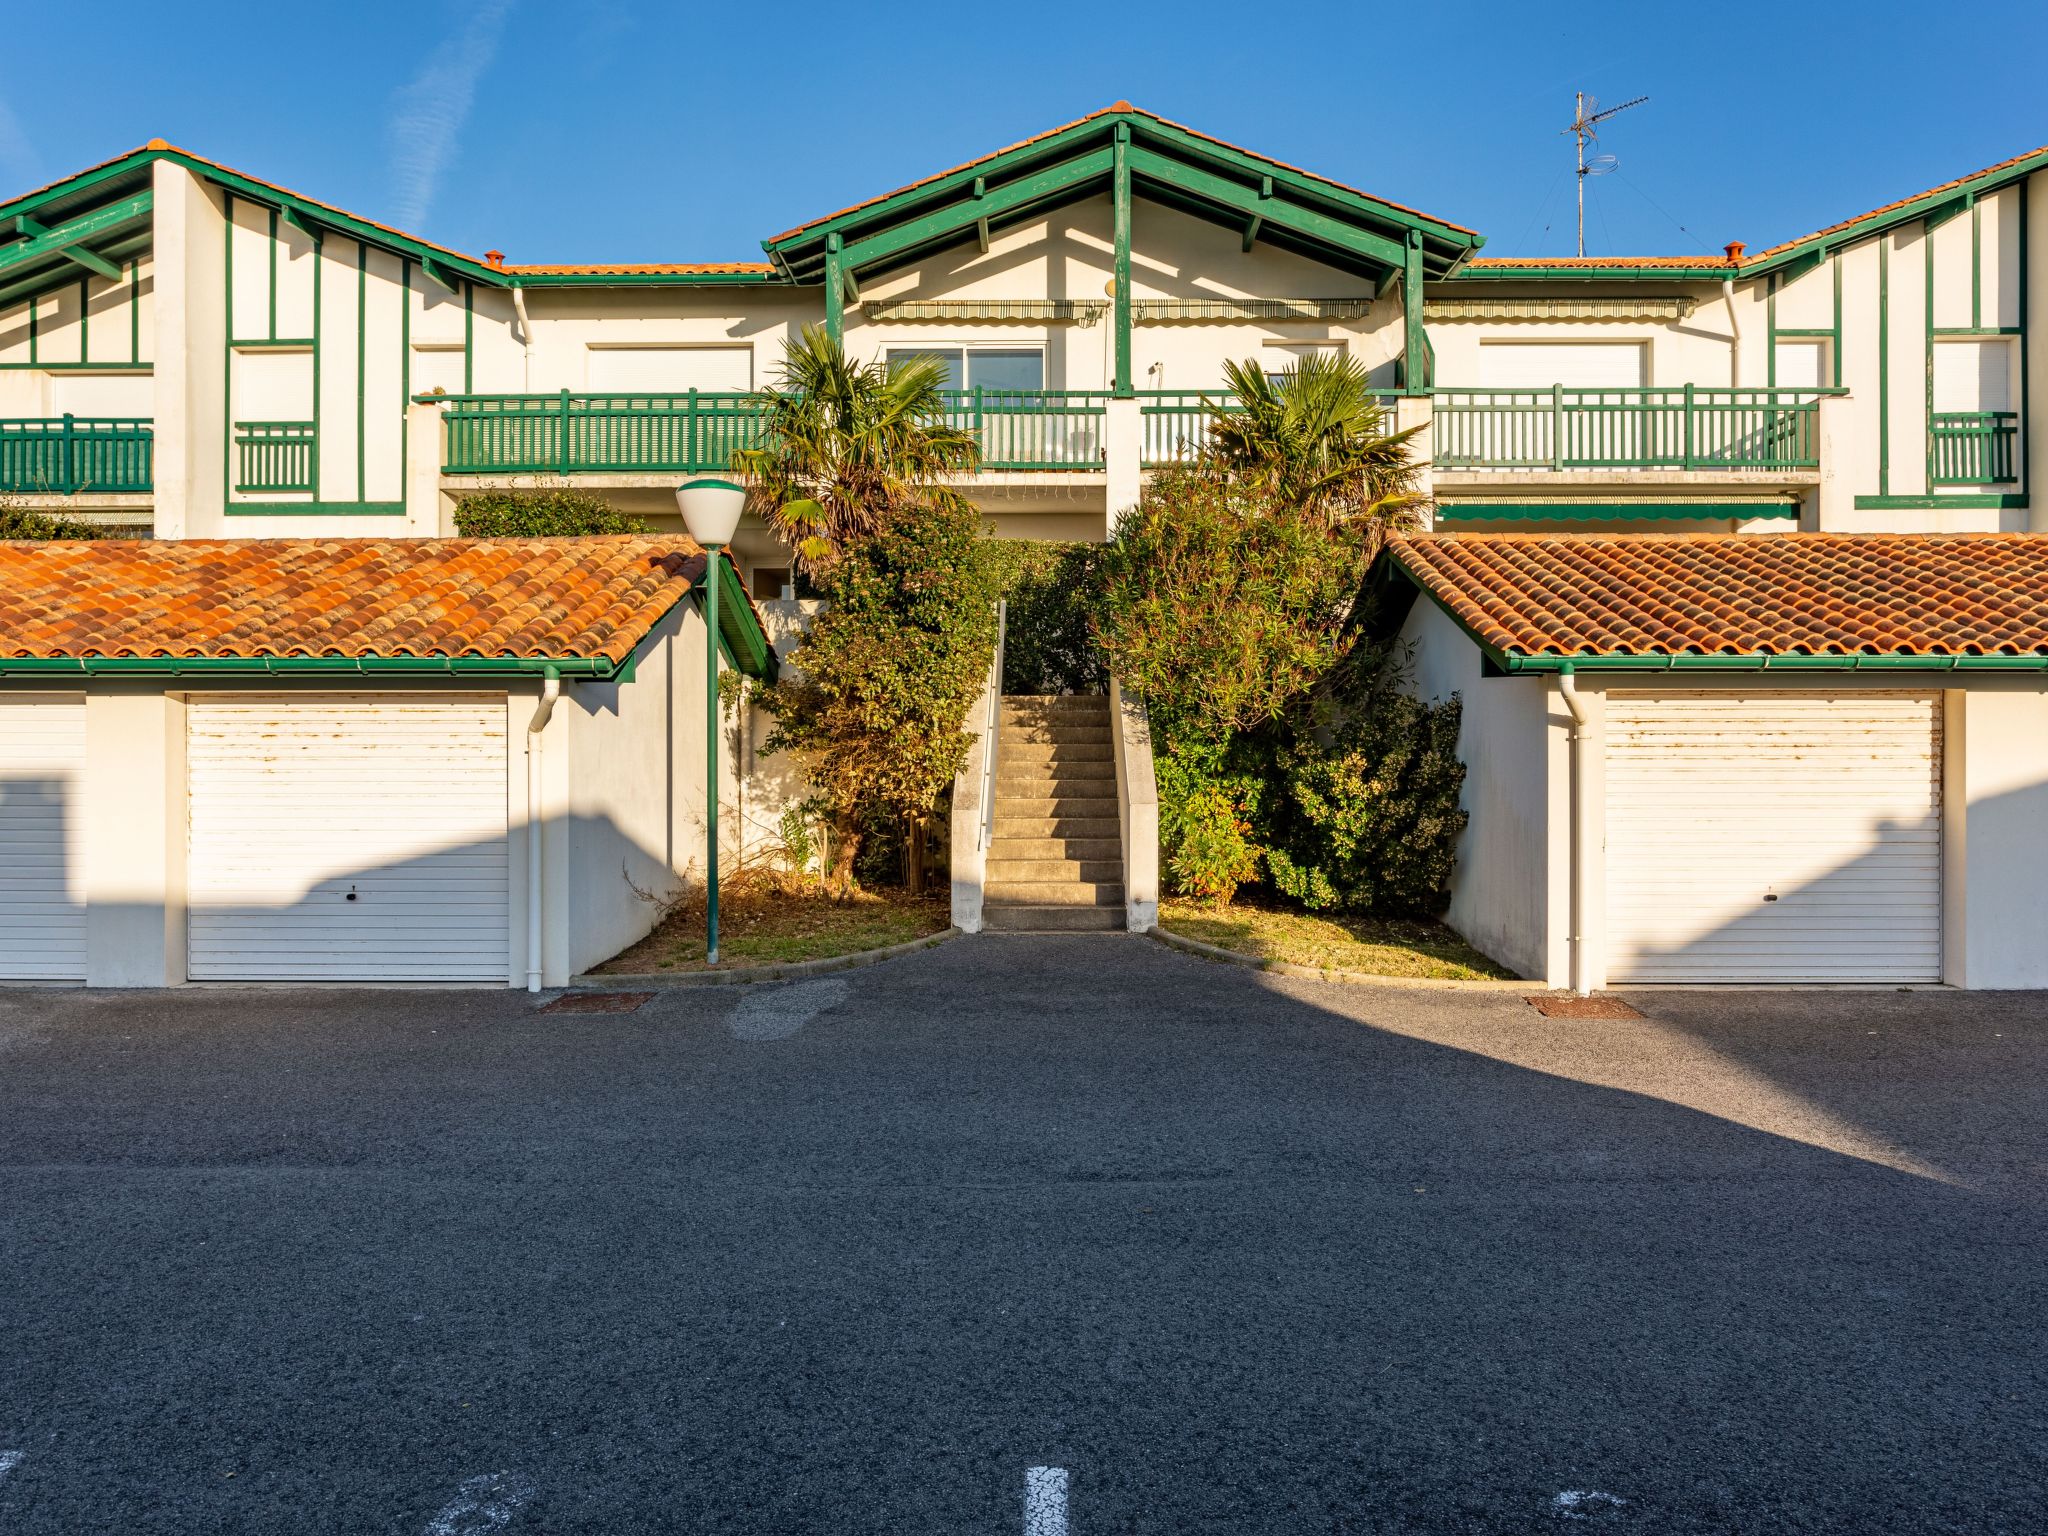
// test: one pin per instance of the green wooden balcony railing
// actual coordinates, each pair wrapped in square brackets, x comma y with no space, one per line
[567,434]
[275,456]
[1973,447]
[1685,427]
[64,455]
[1032,428]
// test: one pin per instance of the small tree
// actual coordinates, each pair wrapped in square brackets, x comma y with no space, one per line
[845,444]
[1049,646]
[874,702]
[554,513]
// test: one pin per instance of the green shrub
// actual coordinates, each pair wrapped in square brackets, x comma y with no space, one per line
[1363,812]
[1218,607]
[1212,849]
[875,698]
[556,513]
[18,522]
[1049,642]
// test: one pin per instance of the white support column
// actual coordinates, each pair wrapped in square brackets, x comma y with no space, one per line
[424,509]
[132,838]
[1123,442]
[189,388]
[1420,411]
[1832,508]
[1137,794]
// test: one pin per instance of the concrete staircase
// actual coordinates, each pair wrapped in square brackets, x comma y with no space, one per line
[1056,864]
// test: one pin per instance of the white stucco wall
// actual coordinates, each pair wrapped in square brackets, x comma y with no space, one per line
[1502,897]
[2000,881]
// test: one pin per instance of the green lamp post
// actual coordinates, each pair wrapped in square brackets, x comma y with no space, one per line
[711,511]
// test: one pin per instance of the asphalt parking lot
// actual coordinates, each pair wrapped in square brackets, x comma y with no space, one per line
[1165,1245]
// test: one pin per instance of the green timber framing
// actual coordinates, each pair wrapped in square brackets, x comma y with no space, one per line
[1505,663]
[1129,155]
[741,640]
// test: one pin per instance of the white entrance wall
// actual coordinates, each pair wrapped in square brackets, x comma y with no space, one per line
[42,819]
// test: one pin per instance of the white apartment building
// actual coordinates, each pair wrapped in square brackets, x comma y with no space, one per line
[207,352]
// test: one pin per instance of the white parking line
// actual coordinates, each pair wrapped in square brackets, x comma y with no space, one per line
[1045,1501]
[485,1503]
[9,1460]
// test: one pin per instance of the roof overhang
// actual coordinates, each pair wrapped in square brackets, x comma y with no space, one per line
[1260,199]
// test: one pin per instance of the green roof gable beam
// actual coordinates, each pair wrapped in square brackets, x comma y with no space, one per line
[1955,207]
[955,218]
[85,181]
[1279,212]
[46,279]
[76,254]
[59,239]
[439,275]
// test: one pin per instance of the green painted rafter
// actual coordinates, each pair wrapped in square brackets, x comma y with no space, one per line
[59,239]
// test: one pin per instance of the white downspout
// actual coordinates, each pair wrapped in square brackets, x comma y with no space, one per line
[525,338]
[1581,772]
[550,690]
[1734,334]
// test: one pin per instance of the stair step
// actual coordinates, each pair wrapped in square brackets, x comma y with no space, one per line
[1096,849]
[1056,703]
[1056,804]
[1054,893]
[1056,752]
[1046,773]
[1004,871]
[1053,919]
[1083,828]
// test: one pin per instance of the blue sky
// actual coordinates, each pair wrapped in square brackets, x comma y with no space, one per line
[616,130]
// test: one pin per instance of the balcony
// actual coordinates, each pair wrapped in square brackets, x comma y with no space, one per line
[1048,430]
[1689,428]
[70,455]
[1973,447]
[275,457]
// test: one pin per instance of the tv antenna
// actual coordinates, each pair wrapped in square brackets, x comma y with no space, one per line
[1586,119]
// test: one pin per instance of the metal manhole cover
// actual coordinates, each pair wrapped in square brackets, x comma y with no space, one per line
[596,1002]
[1582,1008]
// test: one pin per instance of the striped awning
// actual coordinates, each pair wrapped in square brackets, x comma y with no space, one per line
[1089,311]
[1678,307]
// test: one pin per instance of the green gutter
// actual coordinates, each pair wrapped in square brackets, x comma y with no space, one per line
[592,667]
[1525,665]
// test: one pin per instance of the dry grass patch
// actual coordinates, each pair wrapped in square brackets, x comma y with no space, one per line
[1375,946]
[764,925]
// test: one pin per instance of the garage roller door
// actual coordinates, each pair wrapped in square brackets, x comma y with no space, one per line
[347,838]
[1773,837]
[42,904]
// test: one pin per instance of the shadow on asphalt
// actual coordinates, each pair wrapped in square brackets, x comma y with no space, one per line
[1240,1254]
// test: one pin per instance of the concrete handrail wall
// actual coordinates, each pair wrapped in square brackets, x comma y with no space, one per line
[1137,804]
[973,801]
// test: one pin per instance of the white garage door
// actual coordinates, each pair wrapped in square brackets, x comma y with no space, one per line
[42,908]
[347,837]
[1773,837]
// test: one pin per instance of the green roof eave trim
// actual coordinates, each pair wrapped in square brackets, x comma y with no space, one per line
[741,640]
[1609,512]
[1714,273]
[647,280]
[598,668]
[1066,163]
[1526,664]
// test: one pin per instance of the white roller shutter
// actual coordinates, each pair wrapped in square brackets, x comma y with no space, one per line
[1575,364]
[1773,837]
[348,837]
[42,907]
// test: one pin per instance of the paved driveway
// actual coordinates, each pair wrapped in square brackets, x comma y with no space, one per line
[1214,1253]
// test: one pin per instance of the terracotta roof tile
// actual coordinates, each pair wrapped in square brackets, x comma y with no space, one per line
[1781,594]
[639,269]
[543,599]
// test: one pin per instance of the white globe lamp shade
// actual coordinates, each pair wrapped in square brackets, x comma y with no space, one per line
[711,510]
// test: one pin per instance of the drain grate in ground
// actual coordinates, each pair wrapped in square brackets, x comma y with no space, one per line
[1582,1008]
[596,1002]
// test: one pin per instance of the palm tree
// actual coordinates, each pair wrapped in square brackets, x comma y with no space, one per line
[843,443]
[1315,437]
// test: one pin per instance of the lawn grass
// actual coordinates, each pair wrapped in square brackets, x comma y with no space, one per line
[1375,946]
[771,927]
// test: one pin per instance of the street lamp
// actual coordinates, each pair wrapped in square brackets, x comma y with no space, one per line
[711,511]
